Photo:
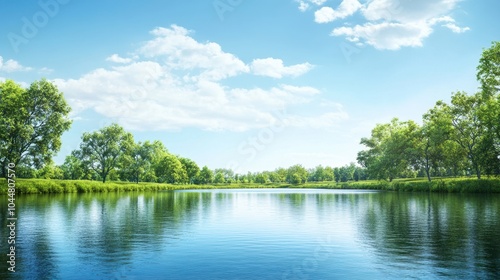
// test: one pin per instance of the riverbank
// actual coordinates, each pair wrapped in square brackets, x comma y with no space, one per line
[456,185]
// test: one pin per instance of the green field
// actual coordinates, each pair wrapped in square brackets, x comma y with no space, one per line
[458,185]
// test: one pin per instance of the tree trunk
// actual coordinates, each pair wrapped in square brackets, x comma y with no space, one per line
[428,174]
[4,169]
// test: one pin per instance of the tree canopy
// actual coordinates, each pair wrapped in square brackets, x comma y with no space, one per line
[32,122]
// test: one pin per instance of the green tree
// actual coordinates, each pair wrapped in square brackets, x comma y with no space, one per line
[296,174]
[170,170]
[72,167]
[192,169]
[101,149]
[429,150]
[138,162]
[488,70]
[50,171]
[281,174]
[328,174]
[261,178]
[488,74]
[228,174]
[462,122]
[336,173]
[346,172]
[31,123]
[316,174]
[389,149]
[219,178]
[206,176]
[359,174]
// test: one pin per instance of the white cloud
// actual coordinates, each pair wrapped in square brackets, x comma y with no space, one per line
[274,68]
[305,4]
[456,29]
[175,82]
[12,66]
[407,11]
[180,51]
[318,2]
[345,9]
[118,59]
[390,36]
[392,24]
[45,71]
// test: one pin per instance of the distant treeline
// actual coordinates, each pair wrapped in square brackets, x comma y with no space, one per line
[112,154]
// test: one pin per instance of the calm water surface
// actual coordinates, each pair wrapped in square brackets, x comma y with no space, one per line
[255,234]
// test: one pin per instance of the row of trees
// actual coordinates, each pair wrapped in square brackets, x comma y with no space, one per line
[112,153]
[460,138]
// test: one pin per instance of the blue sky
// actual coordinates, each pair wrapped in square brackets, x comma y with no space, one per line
[249,85]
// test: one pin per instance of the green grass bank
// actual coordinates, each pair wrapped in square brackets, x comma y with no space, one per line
[452,185]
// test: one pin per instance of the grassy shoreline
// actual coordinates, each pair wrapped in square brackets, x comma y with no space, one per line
[455,185]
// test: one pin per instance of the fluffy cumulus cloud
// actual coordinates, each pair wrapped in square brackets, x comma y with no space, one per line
[304,5]
[175,81]
[118,59]
[391,24]
[12,66]
[345,9]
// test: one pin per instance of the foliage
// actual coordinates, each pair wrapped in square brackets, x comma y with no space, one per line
[206,176]
[488,70]
[137,163]
[219,178]
[191,168]
[461,185]
[390,149]
[101,149]
[459,138]
[296,174]
[170,170]
[31,123]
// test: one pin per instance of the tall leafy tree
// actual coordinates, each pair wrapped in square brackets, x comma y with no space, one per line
[488,70]
[32,122]
[428,149]
[389,150]
[73,168]
[296,174]
[219,178]
[170,170]
[488,74]
[206,176]
[101,149]
[467,129]
[192,169]
[139,160]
